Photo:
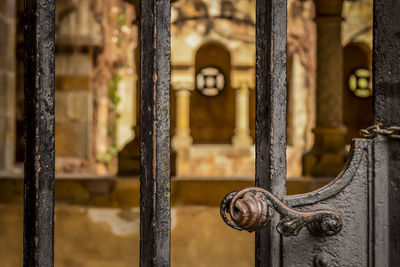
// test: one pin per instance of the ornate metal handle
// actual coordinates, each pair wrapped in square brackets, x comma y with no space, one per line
[253,208]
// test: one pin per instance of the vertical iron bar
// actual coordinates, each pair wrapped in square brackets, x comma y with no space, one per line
[386,62]
[270,117]
[155,211]
[386,85]
[39,133]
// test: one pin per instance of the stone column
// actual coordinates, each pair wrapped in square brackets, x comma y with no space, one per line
[7,85]
[242,131]
[328,155]
[182,137]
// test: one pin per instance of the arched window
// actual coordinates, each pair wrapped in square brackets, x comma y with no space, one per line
[212,104]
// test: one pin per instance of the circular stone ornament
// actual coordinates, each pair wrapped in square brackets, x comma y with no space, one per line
[359,83]
[210,81]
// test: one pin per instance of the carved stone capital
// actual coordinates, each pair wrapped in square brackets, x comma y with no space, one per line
[328,8]
[242,77]
[183,79]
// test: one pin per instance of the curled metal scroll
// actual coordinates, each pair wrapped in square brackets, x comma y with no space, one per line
[253,208]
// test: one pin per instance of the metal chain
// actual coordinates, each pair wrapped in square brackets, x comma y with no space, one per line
[372,131]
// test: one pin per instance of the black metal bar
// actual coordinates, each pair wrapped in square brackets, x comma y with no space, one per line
[39,133]
[386,85]
[270,117]
[155,211]
[386,58]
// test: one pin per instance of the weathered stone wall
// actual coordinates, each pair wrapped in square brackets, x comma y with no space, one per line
[7,84]
[77,35]
[216,160]
[74,111]
[95,86]
[357,24]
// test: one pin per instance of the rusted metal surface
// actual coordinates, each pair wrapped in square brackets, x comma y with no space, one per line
[253,208]
[270,117]
[155,211]
[39,133]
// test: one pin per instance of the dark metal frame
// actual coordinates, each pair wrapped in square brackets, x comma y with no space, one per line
[155,177]
[39,133]
[386,85]
[270,142]
[155,130]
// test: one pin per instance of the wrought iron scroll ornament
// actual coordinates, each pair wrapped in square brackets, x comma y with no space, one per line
[253,208]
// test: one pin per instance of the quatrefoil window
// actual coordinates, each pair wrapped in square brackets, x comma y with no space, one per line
[359,83]
[210,81]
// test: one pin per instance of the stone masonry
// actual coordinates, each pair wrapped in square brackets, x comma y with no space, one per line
[7,84]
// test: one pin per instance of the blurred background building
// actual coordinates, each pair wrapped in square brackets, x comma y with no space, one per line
[212,119]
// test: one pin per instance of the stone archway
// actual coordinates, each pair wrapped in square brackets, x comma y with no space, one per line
[212,117]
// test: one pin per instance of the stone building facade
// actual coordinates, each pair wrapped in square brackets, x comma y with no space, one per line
[212,119]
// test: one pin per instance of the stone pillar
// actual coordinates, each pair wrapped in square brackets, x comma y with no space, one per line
[182,80]
[7,84]
[242,131]
[328,154]
[182,137]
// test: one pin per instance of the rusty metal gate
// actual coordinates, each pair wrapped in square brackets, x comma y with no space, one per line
[353,221]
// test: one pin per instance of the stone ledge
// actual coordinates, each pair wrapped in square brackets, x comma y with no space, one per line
[116,192]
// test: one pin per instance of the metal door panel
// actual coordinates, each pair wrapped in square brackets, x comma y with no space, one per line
[349,195]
